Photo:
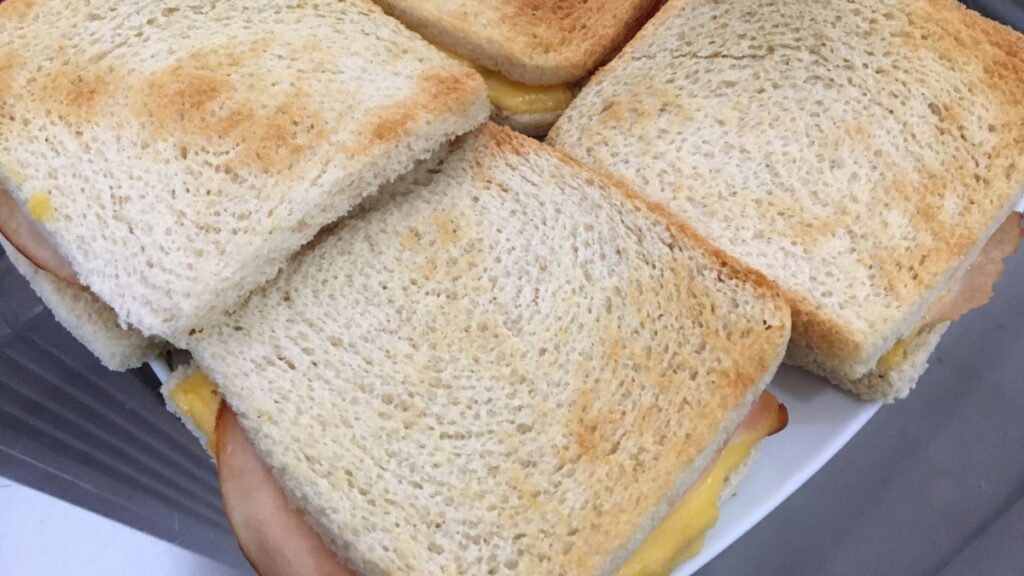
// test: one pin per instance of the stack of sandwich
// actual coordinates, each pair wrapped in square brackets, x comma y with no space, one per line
[426,344]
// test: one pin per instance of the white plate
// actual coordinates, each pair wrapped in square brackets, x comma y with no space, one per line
[821,420]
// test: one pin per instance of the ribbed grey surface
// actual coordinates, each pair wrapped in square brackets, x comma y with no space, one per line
[100,440]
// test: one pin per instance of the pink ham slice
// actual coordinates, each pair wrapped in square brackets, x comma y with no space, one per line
[766,417]
[274,537]
[975,287]
[24,234]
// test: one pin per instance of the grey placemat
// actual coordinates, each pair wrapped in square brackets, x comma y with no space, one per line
[100,440]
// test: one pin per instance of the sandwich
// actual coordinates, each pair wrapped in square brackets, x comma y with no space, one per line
[533,55]
[516,368]
[168,158]
[864,156]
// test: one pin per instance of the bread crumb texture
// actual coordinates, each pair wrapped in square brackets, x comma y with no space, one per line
[853,151]
[188,148]
[506,371]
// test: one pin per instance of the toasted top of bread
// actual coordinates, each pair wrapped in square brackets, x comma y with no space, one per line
[187,150]
[519,361]
[857,153]
[86,317]
[536,42]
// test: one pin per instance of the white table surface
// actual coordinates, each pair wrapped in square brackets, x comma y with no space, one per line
[41,535]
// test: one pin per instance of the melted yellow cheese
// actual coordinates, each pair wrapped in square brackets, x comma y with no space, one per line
[198,399]
[894,358]
[518,98]
[40,207]
[681,535]
[900,351]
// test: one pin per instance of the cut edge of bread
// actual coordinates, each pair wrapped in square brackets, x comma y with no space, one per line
[876,384]
[86,317]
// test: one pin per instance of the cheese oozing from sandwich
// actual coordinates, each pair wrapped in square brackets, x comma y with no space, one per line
[972,290]
[518,98]
[197,398]
[679,537]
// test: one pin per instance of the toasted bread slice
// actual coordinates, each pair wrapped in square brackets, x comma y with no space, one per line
[187,151]
[521,360]
[86,317]
[858,154]
[538,43]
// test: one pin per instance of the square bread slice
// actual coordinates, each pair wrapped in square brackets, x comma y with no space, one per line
[184,151]
[86,317]
[859,154]
[516,369]
[537,43]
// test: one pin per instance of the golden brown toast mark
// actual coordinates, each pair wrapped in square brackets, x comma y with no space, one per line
[194,101]
[77,93]
[17,9]
[434,93]
[9,64]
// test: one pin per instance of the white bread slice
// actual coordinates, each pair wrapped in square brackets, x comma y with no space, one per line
[87,318]
[538,43]
[858,154]
[187,150]
[517,369]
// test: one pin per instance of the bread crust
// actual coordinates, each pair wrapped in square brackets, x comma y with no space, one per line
[537,42]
